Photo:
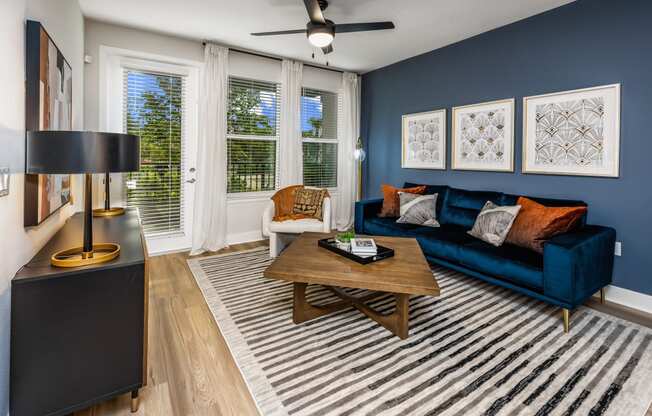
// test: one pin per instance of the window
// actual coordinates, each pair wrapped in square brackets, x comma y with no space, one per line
[252,135]
[319,112]
[153,108]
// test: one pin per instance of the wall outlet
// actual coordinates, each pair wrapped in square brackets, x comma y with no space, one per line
[4,181]
[619,248]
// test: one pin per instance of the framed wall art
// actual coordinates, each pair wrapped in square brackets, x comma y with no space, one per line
[483,136]
[573,132]
[48,107]
[424,140]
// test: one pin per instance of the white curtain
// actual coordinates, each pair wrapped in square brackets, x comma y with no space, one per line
[291,154]
[209,219]
[349,133]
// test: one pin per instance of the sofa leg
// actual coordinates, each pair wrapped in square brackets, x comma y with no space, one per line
[566,315]
[602,295]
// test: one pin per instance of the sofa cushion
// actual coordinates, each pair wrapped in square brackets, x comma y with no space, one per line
[515,264]
[510,199]
[440,190]
[537,223]
[297,226]
[391,201]
[389,227]
[443,242]
[462,207]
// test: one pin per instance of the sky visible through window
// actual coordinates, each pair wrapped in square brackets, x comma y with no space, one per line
[312,104]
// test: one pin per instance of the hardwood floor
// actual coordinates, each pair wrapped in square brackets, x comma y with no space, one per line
[191,371]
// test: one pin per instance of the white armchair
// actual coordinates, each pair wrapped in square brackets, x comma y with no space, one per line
[281,233]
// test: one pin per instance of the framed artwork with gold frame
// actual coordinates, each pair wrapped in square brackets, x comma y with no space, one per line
[423,140]
[483,136]
[573,132]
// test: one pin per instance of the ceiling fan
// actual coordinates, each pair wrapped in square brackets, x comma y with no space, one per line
[321,31]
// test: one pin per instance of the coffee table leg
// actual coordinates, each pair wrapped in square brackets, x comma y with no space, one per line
[303,311]
[402,315]
[397,322]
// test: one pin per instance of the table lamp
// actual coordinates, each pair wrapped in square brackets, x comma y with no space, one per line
[74,152]
[108,211]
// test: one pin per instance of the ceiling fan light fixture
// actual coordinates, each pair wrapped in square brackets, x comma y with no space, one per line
[320,40]
[320,35]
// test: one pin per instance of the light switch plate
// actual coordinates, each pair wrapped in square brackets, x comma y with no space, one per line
[4,181]
[619,249]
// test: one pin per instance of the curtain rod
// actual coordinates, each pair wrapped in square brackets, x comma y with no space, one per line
[276,58]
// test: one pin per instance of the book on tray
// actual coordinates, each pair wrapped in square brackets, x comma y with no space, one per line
[363,246]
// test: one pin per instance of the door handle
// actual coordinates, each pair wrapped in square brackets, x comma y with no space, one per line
[193,180]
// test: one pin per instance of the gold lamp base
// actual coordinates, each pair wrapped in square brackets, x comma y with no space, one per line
[111,212]
[75,257]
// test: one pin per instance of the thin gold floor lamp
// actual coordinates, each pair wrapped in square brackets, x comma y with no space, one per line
[359,156]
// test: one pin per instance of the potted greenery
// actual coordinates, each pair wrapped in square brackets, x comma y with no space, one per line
[344,240]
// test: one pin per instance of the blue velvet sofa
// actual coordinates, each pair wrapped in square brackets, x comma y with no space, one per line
[573,267]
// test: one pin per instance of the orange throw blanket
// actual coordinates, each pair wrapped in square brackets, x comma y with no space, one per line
[284,200]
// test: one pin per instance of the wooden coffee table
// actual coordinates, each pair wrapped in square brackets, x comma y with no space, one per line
[405,274]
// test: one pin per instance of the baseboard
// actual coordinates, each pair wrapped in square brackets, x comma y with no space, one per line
[628,298]
[164,252]
[245,237]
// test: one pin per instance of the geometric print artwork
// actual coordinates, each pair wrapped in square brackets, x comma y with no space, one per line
[483,136]
[424,140]
[570,133]
[573,132]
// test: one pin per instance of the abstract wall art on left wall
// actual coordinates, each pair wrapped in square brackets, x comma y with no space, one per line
[48,107]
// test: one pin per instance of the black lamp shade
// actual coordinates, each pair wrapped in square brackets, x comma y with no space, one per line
[70,152]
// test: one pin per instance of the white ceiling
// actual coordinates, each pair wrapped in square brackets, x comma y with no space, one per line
[421,25]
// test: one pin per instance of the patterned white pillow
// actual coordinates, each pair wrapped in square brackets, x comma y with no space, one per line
[418,209]
[494,222]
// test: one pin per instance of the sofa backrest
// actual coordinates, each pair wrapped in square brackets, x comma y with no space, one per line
[461,207]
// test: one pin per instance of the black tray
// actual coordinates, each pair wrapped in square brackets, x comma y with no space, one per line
[382,252]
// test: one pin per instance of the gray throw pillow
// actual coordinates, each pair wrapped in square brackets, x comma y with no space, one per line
[494,222]
[418,209]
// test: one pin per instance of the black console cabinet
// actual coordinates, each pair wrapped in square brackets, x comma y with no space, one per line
[78,335]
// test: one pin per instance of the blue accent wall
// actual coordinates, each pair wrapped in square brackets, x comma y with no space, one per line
[582,44]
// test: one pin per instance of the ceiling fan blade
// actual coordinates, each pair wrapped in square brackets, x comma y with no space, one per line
[327,49]
[314,11]
[280,32]
[362,27]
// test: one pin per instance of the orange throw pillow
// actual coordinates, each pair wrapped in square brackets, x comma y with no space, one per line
[391,202]
[537,223]
[284,203]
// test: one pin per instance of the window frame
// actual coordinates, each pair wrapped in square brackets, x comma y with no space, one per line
[276,139]
[337,141]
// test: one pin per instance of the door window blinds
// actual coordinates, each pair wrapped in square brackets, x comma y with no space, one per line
[153,108]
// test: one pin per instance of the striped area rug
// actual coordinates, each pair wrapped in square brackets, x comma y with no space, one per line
[476,350]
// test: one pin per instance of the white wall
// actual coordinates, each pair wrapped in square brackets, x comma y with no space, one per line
[244,214]
[64,22]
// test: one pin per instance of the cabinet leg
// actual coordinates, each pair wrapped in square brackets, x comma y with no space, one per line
[134,401]
[602,296]
[566,317]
